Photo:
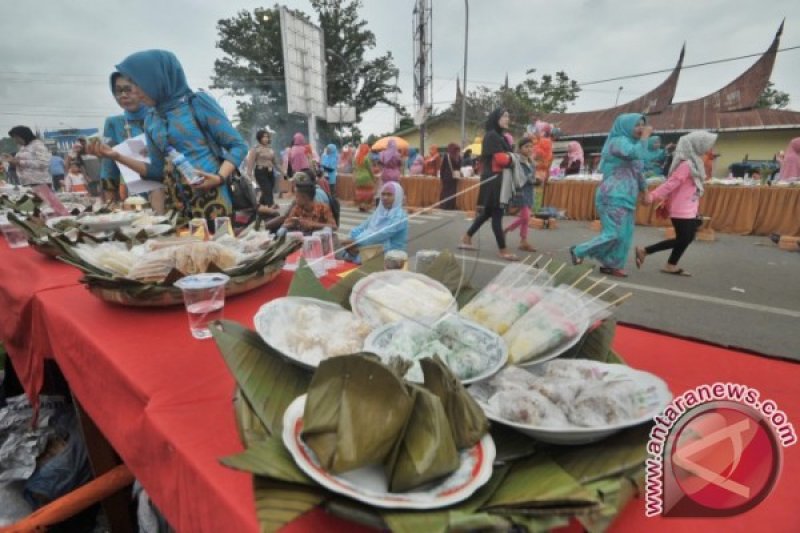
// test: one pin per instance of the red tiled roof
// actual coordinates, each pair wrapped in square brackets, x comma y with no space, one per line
[730,108]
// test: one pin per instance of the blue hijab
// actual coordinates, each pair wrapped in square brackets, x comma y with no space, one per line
[330,158]
[412,156]
[623,127]
[160,76]
[140,113]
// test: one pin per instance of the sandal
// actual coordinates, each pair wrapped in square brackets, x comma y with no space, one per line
[525,247]
[508,256]
[616,272]
[641,253]
[466,246]
[679,272]
[575,259]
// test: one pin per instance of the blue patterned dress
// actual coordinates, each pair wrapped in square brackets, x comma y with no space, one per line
[616,197]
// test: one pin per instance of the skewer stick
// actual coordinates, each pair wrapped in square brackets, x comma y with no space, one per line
[583,276]
[559,269]
[524,271]
[595,284]
[620,299]
[543,269]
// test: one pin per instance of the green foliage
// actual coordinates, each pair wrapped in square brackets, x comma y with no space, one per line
[252,69]
[772,98]
[8,146]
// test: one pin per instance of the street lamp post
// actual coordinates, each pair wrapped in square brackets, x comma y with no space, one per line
[350,70]
[618,93]
[464,91]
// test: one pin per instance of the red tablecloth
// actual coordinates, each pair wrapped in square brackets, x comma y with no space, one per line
[163,400]
[24,273]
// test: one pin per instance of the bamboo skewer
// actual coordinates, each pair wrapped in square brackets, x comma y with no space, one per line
[583,276]
[595,284]
[620,299]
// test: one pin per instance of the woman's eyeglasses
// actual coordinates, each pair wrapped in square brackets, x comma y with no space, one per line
[119,91]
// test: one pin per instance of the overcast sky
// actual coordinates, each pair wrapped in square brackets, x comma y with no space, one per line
[56,56]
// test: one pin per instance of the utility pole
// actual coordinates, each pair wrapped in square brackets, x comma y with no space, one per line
[423,64]
[464,91]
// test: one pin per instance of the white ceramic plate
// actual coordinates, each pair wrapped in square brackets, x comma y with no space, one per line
[656,396]
[488,343]
[269,323]
[416,304]
[369,484]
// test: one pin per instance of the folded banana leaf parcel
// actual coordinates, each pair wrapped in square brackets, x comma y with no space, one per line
[359,412]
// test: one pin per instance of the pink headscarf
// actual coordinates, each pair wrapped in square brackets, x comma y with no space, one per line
[297,153]
[574,152]
[391,160]
[790,169]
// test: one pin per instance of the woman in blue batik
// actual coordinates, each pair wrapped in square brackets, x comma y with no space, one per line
[621,164]
[191,123]
[118,129]
[330,165]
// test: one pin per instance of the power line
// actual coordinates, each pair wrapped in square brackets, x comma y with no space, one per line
[684,67]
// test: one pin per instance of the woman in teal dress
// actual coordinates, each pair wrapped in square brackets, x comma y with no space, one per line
[654,158]
[118,129]
[621,164]
[190,122]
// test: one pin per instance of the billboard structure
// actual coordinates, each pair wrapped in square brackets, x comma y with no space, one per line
[304,69]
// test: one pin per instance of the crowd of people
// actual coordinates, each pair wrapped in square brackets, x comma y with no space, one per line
[159,107]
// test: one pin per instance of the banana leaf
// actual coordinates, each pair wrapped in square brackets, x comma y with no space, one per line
[251,429]
[342,289]
[268,381]
[305,283]
[538,524]
[510,444]
[269,458]
[355,412]
[438,520]
[279,503]
[609,457]
[447,270]
[553,487]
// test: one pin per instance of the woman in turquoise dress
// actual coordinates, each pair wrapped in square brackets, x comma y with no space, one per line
[118,129]
[654,158]
[622,163]
[190,122]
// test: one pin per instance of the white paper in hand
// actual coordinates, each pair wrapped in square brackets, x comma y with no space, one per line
[135,147]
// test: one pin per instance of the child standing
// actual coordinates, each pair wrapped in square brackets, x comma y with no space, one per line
[75,181]
[524,199]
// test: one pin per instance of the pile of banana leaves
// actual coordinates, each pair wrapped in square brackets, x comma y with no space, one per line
[534,486]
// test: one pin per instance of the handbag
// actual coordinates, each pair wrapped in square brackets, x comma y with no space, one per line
[243,194]
[456,173]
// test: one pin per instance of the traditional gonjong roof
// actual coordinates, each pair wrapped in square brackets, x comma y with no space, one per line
[728,109]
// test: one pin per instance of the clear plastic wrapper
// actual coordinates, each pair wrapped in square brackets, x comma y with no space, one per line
[508,297]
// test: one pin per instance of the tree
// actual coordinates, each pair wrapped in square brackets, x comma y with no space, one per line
[8,146]
[772,99]
[547,95]
[252,67]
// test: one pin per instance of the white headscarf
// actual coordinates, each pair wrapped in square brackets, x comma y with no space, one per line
[691,148]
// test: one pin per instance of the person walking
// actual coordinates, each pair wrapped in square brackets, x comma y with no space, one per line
[681,193]
[450,166]
[330,166]
[622,164]
[495,156]
[260,164]
[524,199]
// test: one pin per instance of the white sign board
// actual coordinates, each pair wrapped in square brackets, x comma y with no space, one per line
[341,114]
[304,65]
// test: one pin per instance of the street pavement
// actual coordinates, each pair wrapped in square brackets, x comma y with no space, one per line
[744,292]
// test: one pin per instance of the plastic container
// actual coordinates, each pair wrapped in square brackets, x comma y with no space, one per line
[204,296]
[312,252]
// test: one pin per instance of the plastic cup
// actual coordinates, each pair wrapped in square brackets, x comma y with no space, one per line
[312,252]
[223,226]
[424,259]
[294,236]
[198,227]
[204,296]
[328,249]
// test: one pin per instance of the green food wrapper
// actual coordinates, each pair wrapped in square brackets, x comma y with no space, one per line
[467,420]
[426,450]
[355,412]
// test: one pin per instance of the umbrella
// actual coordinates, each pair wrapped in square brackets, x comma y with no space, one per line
[475,146]
[382,144]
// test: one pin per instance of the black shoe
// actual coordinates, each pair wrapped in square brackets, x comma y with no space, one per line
[775,238]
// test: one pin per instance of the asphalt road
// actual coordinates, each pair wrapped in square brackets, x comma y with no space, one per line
[744,292]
